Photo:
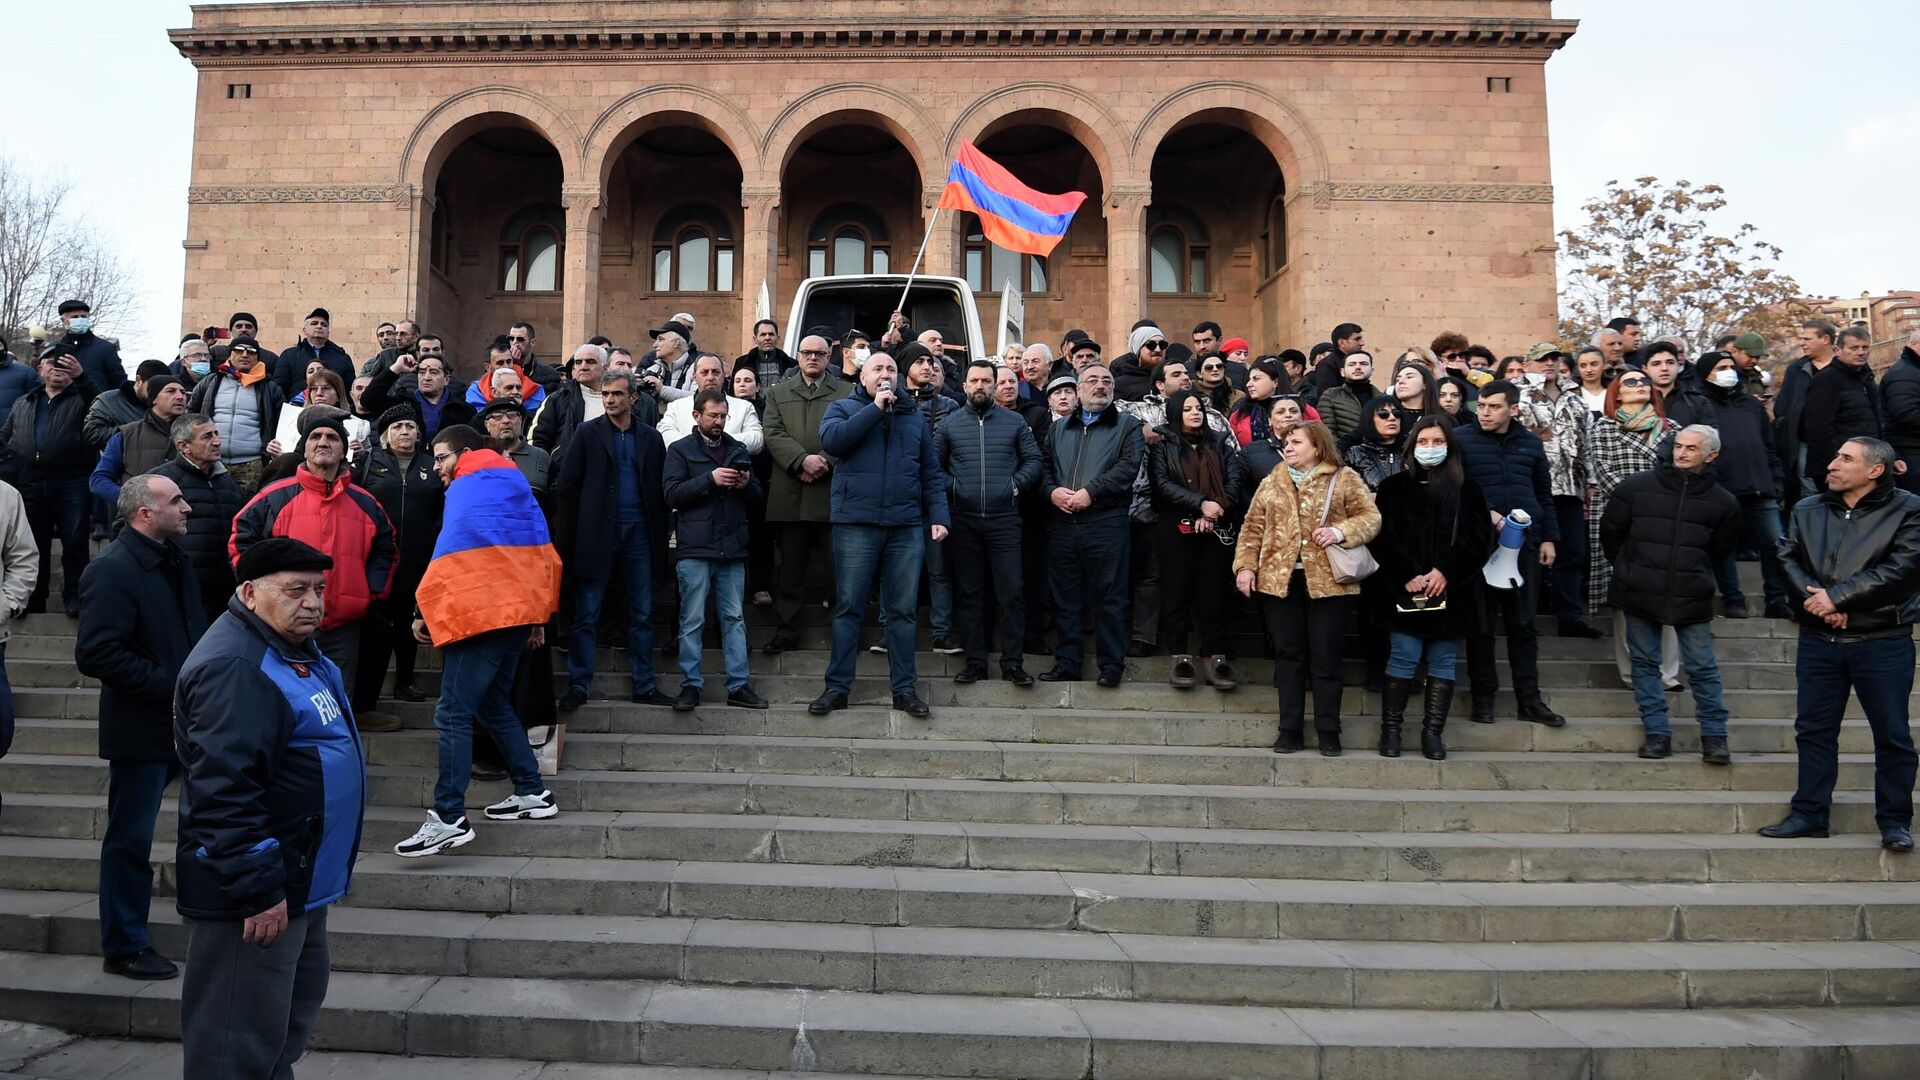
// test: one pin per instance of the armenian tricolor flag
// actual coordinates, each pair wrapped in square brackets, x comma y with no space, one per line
[1012,215]
[494,565]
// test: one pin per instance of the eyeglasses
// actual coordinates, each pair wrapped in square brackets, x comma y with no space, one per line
[448,455]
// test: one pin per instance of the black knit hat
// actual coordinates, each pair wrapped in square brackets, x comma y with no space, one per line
[905,355]
[321,416]
[393,416]
[246,316]
[278,554]
[161,382]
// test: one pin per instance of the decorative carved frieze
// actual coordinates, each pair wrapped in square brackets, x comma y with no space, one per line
[297,193]
[1366,191]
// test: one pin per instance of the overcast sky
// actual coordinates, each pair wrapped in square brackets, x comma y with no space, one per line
[1812,126]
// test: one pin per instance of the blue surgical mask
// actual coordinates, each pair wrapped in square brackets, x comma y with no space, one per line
[199,368]
[1429,455]
[80,325]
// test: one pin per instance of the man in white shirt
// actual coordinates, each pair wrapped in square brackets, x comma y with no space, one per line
[743,421]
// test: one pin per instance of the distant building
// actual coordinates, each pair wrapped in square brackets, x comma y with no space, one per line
[1889,317]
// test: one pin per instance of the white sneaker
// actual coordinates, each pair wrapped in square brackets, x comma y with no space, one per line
[434,837]
[516,807]
[877,649]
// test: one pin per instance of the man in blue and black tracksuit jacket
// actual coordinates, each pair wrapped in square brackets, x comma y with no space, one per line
[270,809]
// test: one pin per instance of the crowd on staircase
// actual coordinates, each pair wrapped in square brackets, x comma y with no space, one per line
[287,530]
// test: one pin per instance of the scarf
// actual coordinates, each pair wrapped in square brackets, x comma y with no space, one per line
[1642,419]
[1300,477]
[1201,467]
[1261,424]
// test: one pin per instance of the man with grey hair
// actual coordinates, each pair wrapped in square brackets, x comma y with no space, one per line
[214,499]
[578,401]
[671,361]
[1665,530]
[1853,555]
[1036,364]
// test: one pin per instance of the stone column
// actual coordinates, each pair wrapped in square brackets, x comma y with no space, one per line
[759,253]
[1126,262]
[418,206]
[580,294]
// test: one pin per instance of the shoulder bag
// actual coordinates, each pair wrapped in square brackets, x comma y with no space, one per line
[1350,565]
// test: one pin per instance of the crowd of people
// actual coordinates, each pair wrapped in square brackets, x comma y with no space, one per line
[289,528]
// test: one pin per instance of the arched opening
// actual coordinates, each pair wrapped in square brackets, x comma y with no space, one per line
[671,239]
[496,237]
[823,234]
[1064,288]
[1217,231]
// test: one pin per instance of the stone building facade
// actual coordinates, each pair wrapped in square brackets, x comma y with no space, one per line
[593,166]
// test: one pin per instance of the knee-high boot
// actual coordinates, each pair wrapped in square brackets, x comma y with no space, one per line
[1439,701]
[1393,712]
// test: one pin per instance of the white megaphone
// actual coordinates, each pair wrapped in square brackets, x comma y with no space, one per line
[1503,569]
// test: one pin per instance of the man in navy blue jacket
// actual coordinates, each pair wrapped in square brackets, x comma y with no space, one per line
[270,808]
[1510,465]
[887,488]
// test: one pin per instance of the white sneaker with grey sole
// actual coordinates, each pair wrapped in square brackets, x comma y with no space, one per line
[517,807]
[434,837]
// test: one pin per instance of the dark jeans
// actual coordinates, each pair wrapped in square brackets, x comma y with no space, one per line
[134,789]
[1037,603]
[1309,639]
[6,704]
[1881,672]
[1761,516]
[986,551]
[801,545]
[1516,608]
[246,1012]
[342,646]
[860,553]
[633,553]
[475,680]
[57,507]
[1143,562]
[1569,574]
[1196,572]
[1089,561]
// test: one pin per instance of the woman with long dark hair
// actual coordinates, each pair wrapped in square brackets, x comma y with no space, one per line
[1414,394]
[1455,397]
[1300,510]
[1373,448]
[1434,536]
[1195,477]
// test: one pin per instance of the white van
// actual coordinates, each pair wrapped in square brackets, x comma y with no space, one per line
[867,301]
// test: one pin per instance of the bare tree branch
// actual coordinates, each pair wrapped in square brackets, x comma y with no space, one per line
[46,256]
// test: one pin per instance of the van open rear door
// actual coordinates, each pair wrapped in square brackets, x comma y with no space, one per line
[1013,318]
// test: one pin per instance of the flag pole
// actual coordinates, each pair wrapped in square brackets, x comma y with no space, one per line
[915,268]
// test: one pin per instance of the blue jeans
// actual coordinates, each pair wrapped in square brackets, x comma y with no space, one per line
[134,789]
[630,547]
[1406,651]
[1696,658]
[939,590]
[1761,515]
[1088,560]
[727,579]
[1881,672]
[860,552]
[476,678]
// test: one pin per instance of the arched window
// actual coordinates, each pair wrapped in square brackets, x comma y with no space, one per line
[1273,234]
[693,251]
[990,266]
[847,239]
[1176,252]
[530,251]
[440,242]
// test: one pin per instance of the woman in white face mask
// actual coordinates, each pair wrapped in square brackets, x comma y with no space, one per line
[1434,538]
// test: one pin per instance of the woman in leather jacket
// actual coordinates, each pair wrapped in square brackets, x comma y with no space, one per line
[1195,476]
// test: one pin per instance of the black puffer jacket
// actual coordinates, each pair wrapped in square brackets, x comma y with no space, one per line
[413,498]
[1842,404]
[1167,476]
[1665,530]
[1423,529]
[214,499]
[65,451]
[1900,406]
[1748,464]
[1867,557]
[709,522]
[1511,469]
[991,459]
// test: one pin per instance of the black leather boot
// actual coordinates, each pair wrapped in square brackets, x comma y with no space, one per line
[1393,712]
[1439,702]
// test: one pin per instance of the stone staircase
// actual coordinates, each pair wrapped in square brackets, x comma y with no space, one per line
[1062,882]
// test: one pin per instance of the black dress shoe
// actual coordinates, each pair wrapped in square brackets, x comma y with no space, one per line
[781,642]
[1577,628]
[1713,750]
[1538,712]
[687,700]
[1330,744]
[745,698]
[1110,678]
[653,697]
[827,703]
[573,700]
[1287,742]
[1896,838]
[149,966]
[1795,827]
[1779,611]
[406,691]
[1657,747]
[972,673]
[1481,713]
[912,706]
[1137,648]
[1059,675]
[1017,676]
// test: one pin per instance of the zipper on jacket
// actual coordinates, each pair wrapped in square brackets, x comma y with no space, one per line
[983,462]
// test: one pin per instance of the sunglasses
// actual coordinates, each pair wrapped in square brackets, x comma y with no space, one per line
[1453,356]
[1154,345]
[1213,367]
[1386,414]
[1636,382]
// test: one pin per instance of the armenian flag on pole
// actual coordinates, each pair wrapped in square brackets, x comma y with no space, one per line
[1012,215]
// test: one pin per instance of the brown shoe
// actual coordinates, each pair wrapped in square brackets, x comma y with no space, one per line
[1220,674]
[371,721]
[1181,673]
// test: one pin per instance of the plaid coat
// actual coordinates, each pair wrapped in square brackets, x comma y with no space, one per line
[1612,454]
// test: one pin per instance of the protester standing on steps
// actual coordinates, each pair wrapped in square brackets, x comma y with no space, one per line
[1434,538]
[1664,531]
[484,600]
[889,499]
[140,615]
[799,496]
[214,499]
[270,807]
[1197,478]
[19,566]
[1625,441]
[1853,556]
